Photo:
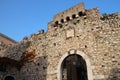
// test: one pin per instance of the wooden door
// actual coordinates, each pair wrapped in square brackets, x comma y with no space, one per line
[75,68]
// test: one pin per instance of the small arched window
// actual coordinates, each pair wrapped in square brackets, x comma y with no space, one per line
[68,18]
[56,22]
[73,16]
[62,20]
[81,13]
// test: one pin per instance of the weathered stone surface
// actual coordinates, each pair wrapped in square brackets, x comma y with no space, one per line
[95,37]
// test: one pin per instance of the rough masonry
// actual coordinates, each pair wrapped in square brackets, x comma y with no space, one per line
[78,42]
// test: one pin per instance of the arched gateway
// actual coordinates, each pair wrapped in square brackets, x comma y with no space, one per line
[74,65]
[9,78]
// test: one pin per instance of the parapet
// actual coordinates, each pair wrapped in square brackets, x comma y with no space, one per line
[74,12]
[71,12]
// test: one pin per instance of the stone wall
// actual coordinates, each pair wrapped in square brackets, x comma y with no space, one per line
[68,13]
[96,37]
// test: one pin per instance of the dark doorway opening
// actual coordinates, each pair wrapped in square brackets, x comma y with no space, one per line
[74,68]
[9,78]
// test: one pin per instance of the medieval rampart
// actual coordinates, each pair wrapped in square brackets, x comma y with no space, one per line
[92,37]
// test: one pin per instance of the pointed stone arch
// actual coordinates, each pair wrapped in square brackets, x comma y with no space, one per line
[82,54]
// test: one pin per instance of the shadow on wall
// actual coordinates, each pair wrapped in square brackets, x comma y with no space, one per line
[36,70]
[22,63]
[114,74]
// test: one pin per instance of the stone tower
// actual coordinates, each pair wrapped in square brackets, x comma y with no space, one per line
[79,44]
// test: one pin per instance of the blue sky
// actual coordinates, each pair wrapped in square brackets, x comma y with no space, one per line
[20,18]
